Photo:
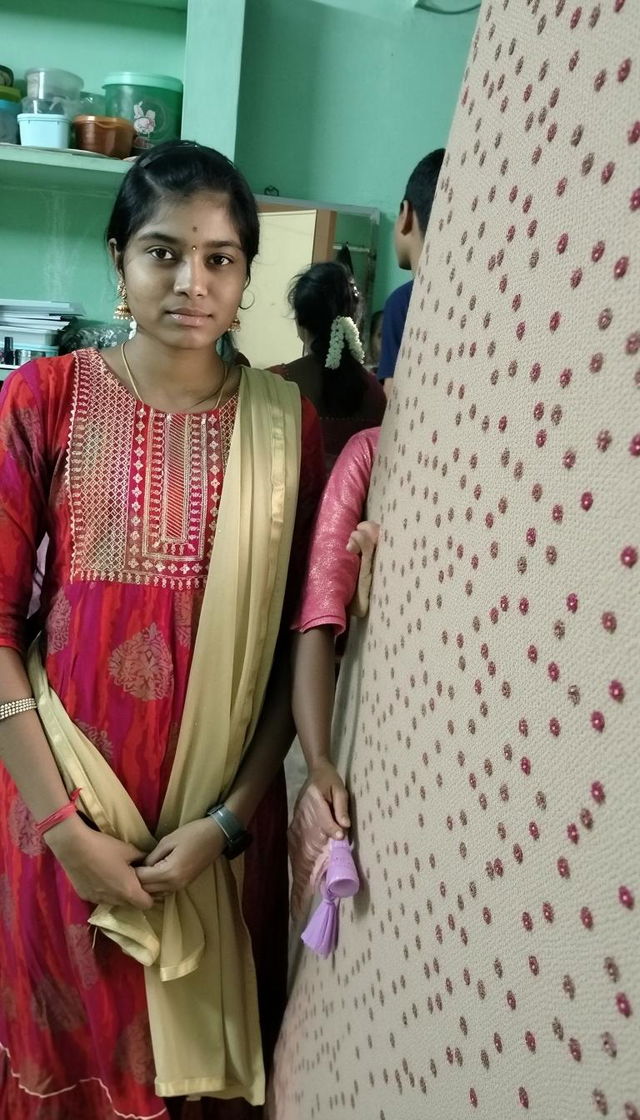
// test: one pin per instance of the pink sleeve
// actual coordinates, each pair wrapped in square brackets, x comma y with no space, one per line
[332,572]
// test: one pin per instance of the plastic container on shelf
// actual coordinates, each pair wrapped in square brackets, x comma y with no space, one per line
[27,354]
[53,83]
[152,102]
[44,130]
[9,109]
[59,106]
[109,136]
[91,103]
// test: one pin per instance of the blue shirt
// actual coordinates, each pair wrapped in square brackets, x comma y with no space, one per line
[393,320]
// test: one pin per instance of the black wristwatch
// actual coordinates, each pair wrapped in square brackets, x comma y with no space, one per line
[237,837]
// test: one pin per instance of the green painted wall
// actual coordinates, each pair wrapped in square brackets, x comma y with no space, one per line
[340,100]
[210,111]
[91,38]
[53,248]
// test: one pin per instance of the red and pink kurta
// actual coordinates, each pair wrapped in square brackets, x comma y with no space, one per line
[128,497]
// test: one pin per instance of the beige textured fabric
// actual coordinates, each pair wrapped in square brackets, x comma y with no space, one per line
[491,965]
[199,973]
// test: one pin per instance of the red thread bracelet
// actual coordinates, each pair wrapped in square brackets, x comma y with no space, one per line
[59,815]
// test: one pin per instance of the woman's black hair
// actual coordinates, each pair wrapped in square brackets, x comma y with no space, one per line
[316,297]
[181,169]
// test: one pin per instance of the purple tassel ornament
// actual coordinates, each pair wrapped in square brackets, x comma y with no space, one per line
[337,879]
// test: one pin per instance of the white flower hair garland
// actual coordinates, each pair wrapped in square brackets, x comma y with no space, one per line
[343,330]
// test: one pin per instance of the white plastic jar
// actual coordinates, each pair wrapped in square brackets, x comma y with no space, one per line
[44,130]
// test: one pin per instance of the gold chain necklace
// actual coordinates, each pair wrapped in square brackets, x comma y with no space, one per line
[196,403]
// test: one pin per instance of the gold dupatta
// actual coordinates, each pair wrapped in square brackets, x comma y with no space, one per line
[199,974]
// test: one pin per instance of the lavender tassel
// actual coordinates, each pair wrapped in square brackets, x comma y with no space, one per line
[338,879]
[321,933]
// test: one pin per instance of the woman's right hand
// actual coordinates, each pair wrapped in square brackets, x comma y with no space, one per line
[320,813]
[98,866]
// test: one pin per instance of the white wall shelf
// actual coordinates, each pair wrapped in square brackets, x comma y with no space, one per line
[39,169]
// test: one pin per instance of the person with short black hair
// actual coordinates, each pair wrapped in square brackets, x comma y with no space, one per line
[409,233]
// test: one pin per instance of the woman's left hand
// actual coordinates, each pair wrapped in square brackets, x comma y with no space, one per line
[181,856]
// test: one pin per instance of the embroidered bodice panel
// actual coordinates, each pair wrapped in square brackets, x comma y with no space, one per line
[144,486]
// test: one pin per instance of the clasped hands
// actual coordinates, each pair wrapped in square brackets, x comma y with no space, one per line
[105,870]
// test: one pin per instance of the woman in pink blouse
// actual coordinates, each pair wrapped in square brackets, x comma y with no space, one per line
[335,574]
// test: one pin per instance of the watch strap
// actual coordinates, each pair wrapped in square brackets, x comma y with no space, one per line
[236,835]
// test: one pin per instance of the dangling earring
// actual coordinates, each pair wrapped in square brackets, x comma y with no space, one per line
[235,325]
[122,311]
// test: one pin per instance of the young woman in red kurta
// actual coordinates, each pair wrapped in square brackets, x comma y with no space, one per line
[120,458]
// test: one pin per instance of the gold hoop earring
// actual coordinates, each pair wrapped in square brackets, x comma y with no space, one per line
[235,325]
[122,311]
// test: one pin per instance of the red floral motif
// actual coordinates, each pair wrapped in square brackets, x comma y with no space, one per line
[31,426]
[56,1008]
[100,739]
[79,940]
[22,829]
[134,1052]
[142,666]
[57,627]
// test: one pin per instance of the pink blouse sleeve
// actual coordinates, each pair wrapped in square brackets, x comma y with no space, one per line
[332,572]
[23,500]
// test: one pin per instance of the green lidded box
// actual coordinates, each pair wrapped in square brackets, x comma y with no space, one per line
[152,102]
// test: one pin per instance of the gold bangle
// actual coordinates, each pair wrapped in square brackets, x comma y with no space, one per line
[14,707]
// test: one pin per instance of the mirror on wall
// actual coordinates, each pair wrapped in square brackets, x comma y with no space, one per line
[293,235]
